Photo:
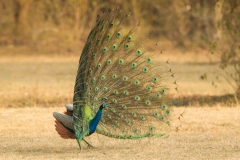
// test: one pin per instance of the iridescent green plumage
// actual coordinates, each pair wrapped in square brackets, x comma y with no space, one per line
[115,68]
[119,82]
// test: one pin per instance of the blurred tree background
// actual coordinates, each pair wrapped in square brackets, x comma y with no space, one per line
[66,23]
[62,26]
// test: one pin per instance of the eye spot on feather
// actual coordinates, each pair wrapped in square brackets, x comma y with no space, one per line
[136,82]
[109,62]
[121,115]
[163,91]
[125,92]
[93,56]
[95,99]
[114,47]
[111,25]
[108,36]
[90,70]
[114,101]
[124,106]
[109,116]
[117,123]
[129,38]
[134,65]
[105,89]
[148,88]
[154,79]
[134,130]
[96,89]
[93,80]
[142,117]
[115,91]
[138,52]
[148,60]
[99,66]
[150,128]
[155,114]
[147,103]
[144,70]
[98,40]
[137,98]
[103,78]
[157,95]
[113,110]
[133,114]
[128,122]
[123,130]
[114,76]
[167,111]
[118,34]
[125,78]
[162,118]
[126,46]
[104,50]
[163,106]
[89,94]
[120,61]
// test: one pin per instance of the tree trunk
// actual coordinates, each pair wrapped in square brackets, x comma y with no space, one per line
[21,17]
[218,18]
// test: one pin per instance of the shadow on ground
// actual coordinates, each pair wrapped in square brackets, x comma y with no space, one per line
[203,100]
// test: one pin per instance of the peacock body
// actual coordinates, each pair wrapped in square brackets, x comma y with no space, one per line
[120,88]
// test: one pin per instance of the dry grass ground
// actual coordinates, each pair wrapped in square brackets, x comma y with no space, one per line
[204,133]
[49,80]
[31,86]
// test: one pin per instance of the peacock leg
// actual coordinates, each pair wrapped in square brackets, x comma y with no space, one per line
[89,145]
[79,145]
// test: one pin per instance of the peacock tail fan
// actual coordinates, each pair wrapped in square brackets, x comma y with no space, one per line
[118,70]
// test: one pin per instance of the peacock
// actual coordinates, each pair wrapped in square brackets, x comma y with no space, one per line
[121,88]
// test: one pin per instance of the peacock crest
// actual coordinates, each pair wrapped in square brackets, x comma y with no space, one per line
[121,87]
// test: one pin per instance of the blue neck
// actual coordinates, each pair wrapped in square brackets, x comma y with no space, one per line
[94,122]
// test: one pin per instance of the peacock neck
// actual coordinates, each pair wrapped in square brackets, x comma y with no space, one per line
[94,122]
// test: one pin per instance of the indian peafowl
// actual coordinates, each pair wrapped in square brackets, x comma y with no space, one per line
[120,88]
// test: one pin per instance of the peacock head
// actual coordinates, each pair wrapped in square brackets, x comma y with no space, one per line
[104,105]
